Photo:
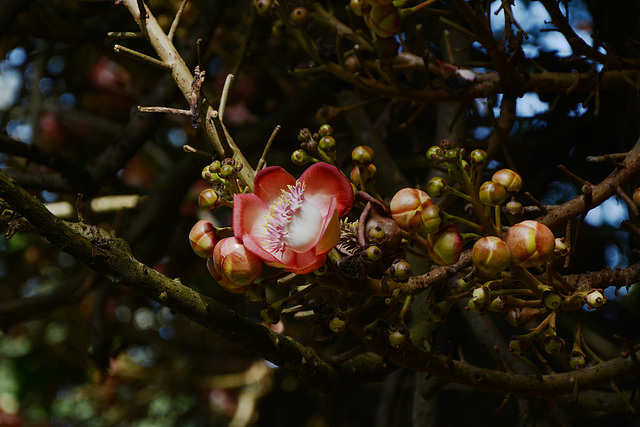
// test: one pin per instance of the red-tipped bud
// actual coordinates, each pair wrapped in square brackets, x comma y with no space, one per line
[445,246]
[325,130]
[264,7]
[492,193]
[510,180]
[491,255]
[233,266]
[327,144]
[531,243]
[636,196]
[384,20]
[202,238]
[362,155]
[407,206]
[208,200]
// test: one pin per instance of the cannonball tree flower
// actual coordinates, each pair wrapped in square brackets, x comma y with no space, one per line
[290,223]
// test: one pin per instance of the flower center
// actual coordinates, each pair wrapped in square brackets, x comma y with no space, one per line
[292,223]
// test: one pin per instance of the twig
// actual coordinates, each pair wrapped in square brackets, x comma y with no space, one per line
[225,94]
[263,158]
[168,110]
[140,57]
[176,20]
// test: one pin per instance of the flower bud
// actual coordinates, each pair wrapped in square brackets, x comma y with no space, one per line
[431,219]
[407,206]
[325,130]
[371,171]
[577,359]
[227,171]
[304,135]
[514,209]
[264,8]
[202,238]
[376,234]
[531,243]
[362,155]
[383,20]
[552,343]
[492,193]
[510,180]
[434,153]
[447,144]
[481,294]
[398,338]
[562,247]
[445,246]
[300,157]
[551,299]
[437,186]
[233,265]
[478,157]
[356,6]
[300,17]
[491,255]
[595,299]
[519,344]
[337,325]
[401,271]
[636,196]
[208,200]
[372,253]
[327,144]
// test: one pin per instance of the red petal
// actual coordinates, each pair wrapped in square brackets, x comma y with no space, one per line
[249,214]
[308,262]
[330,232]
[270,182]
[322,183]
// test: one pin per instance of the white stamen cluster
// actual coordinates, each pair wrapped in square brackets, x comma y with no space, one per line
[279,217]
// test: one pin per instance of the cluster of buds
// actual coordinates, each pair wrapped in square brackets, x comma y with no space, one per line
[381,16]
[222,176]
[315,147]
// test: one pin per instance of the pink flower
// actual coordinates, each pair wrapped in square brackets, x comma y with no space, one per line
[291,223]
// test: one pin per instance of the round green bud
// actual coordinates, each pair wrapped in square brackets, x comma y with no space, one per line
[492,193]
[373,253]
[552,300]
[437,186]
[398,338]
[447,144]
[227,171]
[481,294]
[452,155]
[562,247]
[300,157]
[434,153]
[362,155]
[325,130]
[445,246]
[337,325]
[376,234]
[595,299]
[401,271]
[552,343]
[208,200]
[304,135]
[215,166]
[478,157]
[577,359]
[327,144]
